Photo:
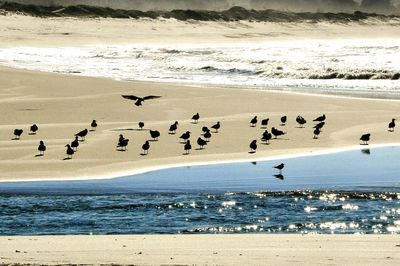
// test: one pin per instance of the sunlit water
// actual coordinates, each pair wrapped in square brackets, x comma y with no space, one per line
[353,66]
[347,192]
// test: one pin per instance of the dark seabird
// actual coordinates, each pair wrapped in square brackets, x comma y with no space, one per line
[146,147]
[75,144]
[155,134]
[139,100]
[18,133]
[69,151]
[185,136]
[319,126]
[216,127]
[392,125]
[122,143]
[205,129]
[253,146]
[41,148]
[141,125]
[93,125]
[207,135]
[300,120]
[320,118]
[187,147]
[196,118]
[280,167]
[253,121]
[365,138]
[82,134]
[283,120]
[264,123]
[201,143]
[121,138]
[266,136]
[277,132]
[316,133]
[33,129]
[173,128]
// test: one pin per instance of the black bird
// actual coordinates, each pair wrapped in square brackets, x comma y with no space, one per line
[41,148]
[280,167]
[266,136]
[253,121]
[69,151]
[141,125]
[18,133]
[283,120]
[122,144]
[121,138]
[139,100]
[320,118]
[365,138]
[201,143]
[300,120]
[319,126]
[82,134]
[75,144]
[207,135]
[33,129]
[173,127]
[146,147]
[316,133]
[253,146]
[277,132]
[93,125]
[264,123]
[187,147]
[185,136]
[196,118]
[205,129]
[216,127]
[155,134]
[392,125]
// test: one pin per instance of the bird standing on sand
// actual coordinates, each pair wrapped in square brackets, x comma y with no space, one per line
[253,146]
[69,151]
[75,144]
[122,143]
[277,132]
[207,135]
[319,126]
[138,99]
[316,133]
[185,136]
[18,133]
[41,148]
[82,134]
[205,129]
[280,167]
[201,143]
[154,134]
[196,118]
[187,147]
[146,147]
[283,120]
[320,118]
[216,127]
[264,123]
[34,128]
[365,138]
[253,122]
[94,125]
[301,121]
[392,125]
[266,136]
[173,128]
[141,125]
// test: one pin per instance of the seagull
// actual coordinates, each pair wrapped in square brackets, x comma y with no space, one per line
[283,120]
[122,143]
[365,138]
[253,121]
[253,146]
[277,132]
[280,167]
[207,135]
[93,125]
[185,136]
[138,99]
[201,143]
[196,118]
[41,148]
[18,133]
[75,144]
[82,134]
[141,125]
[392,125]
[187,147]
[173,128]
[33,129]
[300,120]
[316,133]
[216,127]
[155,134]
[146,147]
[69,151]
[264,123]
[266,136]
[320,118]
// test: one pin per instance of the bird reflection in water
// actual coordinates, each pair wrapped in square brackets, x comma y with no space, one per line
[279,176]
[366,151]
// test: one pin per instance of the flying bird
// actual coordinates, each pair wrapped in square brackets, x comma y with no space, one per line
[254,121]
[253,146]
[140,100]
[33,129]
[155,134]
[173,128]
[392,125]
[320,118]
[300,120]
[196,118]
[94,125]
[82,134]
[365,138]
[216,127]
[277,132]
[146,147]
[18,133]
[187,147]
[201,143]
[41,148]
[283,120]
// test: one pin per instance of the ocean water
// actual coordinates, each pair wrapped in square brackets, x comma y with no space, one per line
[334,66]
[347,192]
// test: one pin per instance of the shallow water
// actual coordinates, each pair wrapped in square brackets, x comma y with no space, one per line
[347,192]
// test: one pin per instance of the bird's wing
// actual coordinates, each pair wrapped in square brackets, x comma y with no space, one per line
[130,97]
[151,97]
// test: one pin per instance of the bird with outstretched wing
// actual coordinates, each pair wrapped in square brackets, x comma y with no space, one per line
[138,99]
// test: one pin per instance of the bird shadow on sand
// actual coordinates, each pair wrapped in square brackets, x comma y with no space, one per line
[31,134]
[252,152]
[15,139]
[38,155]
[124,129]
[92,130]
[143,154]
[66,159]
[152,140]
[265,143]
[364,144]
[199,149]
